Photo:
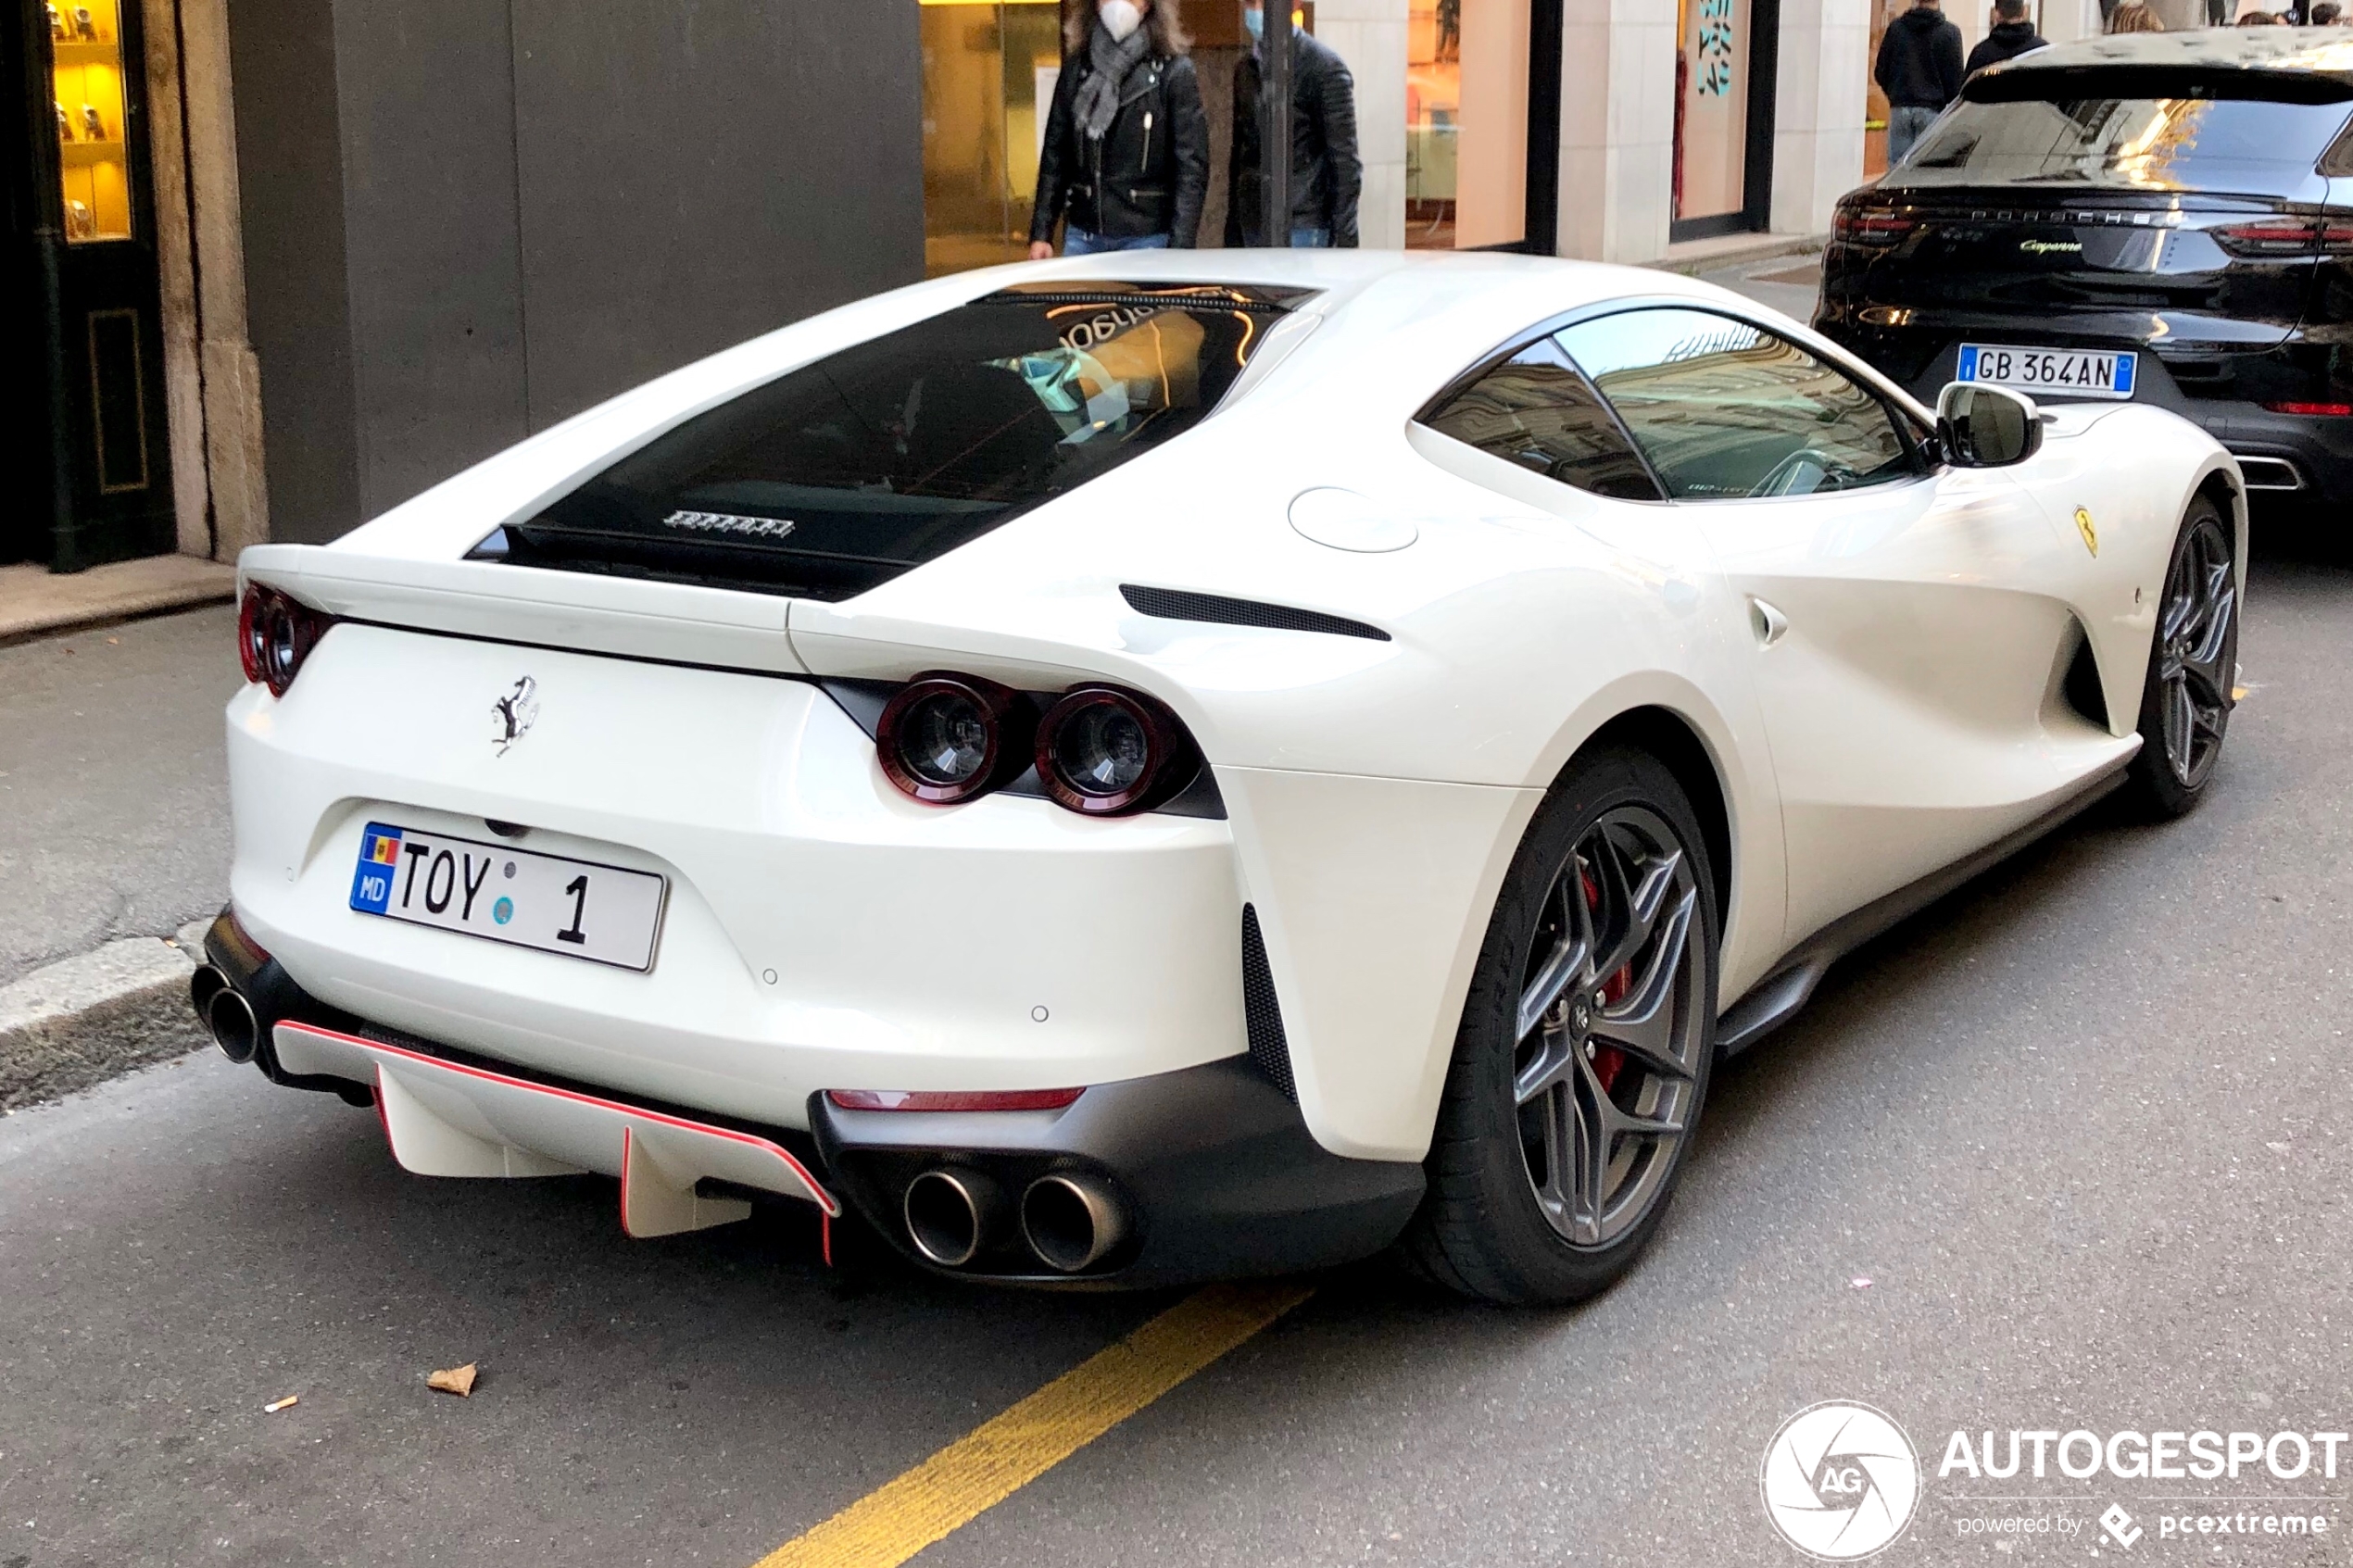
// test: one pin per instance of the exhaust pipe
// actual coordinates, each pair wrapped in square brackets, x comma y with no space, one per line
[235,1028]
[1070,1222]
[952,1214]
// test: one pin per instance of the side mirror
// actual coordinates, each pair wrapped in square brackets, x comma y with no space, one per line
[1987,426]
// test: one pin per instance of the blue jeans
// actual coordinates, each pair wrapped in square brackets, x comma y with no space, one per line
[1311,239]
[1079,241]
[1906,123]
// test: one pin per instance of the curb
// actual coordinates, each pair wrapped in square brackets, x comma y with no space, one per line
[85,1019]
[1764,249]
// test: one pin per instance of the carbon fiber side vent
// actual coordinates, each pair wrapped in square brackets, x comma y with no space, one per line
[1175,604]
[1269,1052]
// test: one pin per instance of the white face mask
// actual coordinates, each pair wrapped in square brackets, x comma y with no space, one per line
[1120,18]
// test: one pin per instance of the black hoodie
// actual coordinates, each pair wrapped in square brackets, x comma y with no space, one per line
[1919,61]
[2007,41]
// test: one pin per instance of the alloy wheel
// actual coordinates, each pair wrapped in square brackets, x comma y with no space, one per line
[1609,1028]
[2194,643]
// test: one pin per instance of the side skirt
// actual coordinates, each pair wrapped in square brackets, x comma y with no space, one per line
[1774,1000]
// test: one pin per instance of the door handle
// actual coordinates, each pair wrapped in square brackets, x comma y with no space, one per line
[1767,622]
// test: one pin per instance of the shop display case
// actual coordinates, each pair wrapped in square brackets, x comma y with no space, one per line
[94,157]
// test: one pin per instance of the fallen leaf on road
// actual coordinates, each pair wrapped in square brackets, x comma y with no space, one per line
[275,1407]
[457,1380]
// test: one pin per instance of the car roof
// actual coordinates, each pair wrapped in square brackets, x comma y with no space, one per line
[2289,50]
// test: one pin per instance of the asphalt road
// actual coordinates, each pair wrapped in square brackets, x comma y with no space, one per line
[2080,1127]
[114,789]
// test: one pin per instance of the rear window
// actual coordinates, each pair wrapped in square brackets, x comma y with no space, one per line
[845,472]
[2080,133]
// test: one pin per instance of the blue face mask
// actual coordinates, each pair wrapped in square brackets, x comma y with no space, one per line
[1255,22]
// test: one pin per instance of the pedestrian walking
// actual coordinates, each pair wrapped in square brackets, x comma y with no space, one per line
[2011,36]
[1325,175]
[1124,161]
[2326,13]
[1919,70]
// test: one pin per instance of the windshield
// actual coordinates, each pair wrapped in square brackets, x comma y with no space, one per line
[846,472]
[2166,144]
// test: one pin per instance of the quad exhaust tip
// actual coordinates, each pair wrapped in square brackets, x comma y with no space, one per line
[1071,1224]
[225,1013]
[952,1214]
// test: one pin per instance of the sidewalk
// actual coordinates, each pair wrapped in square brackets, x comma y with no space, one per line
[114,797]
[114,833]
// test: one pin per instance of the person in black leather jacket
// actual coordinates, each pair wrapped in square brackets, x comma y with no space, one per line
[1325,175]
[1126,157]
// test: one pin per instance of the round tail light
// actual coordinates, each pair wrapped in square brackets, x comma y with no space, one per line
[1104,751]
[274,635]
[945,738]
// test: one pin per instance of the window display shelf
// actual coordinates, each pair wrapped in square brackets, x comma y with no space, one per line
[83,155]
[86,51]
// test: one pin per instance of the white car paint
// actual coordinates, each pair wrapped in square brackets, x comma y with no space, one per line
[1903,715]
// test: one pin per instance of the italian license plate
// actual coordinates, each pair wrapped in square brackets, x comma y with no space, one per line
[2058,372]
[576,908]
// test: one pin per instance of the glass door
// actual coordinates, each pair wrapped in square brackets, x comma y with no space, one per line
[1483,86]
[1723,117]
[989,68]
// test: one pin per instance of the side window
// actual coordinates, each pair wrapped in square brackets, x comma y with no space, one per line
[1723,409]
[1536,410]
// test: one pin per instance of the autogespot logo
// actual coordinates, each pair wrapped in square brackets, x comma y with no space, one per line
[1841,1481]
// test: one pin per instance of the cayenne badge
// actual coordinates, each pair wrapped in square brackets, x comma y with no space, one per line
[515,713]
[2091,534]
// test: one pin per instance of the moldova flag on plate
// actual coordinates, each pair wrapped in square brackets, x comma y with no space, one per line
[379,853]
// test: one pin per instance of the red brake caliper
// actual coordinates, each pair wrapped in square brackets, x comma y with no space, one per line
[1608,1061]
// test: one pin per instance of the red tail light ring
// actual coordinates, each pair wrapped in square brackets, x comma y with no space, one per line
[275,634]
[944,738]
[1106,752]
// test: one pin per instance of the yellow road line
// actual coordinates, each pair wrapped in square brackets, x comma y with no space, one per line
[997,1459]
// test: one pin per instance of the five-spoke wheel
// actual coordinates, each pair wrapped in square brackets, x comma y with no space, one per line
[1582,1061]
[2186,700]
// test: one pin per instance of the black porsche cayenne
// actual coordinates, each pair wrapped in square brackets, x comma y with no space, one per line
[2161,217]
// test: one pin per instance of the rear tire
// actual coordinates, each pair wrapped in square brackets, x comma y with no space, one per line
[2186,695]
[1583,1057]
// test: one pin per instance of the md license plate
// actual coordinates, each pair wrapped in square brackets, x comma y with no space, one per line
[2053,371]
[575,907]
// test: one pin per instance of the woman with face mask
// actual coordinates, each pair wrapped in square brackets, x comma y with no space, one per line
[1126,157]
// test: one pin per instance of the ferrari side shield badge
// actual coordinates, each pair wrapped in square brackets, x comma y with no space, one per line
[2091,534]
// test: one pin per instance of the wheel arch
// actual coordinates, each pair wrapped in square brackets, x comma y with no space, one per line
[1663,734]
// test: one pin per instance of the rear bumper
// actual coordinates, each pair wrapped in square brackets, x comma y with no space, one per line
[1210,1170]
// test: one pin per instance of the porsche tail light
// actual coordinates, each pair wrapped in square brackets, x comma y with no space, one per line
[2282,236]
[1875,227]
[275,634]
[944,738]
[952,1099]
[1104,751]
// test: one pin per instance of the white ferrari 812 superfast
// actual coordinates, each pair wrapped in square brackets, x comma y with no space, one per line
[1132,770]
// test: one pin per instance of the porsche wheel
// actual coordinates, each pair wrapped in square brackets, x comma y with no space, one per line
[2186,698]
[1583,1056]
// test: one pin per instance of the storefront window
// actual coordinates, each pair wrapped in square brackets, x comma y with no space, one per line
[989,68]
[85,40]
[1711,113]
[1466,123]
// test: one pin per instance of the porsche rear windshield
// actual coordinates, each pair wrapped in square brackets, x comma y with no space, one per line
[846,472]
[2139,126]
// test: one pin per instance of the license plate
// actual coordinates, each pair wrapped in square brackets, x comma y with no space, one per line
[2061,372]
[582,910]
